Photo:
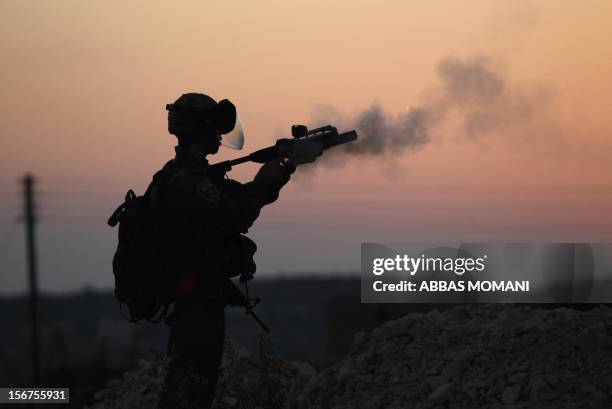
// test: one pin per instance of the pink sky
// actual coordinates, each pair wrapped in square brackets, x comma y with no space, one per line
[84,85]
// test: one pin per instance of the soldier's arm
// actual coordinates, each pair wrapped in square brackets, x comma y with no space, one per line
[268,182]
[212,202]
[272,176]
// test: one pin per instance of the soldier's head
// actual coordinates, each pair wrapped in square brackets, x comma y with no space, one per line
[197,119]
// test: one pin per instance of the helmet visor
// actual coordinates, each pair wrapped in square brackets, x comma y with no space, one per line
[234,139]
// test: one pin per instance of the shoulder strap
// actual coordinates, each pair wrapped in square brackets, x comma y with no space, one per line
[116,216]
[156,187]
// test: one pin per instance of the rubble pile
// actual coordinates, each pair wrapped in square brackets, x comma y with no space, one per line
[486,356]
[138,389]
[258,380]
[246,380]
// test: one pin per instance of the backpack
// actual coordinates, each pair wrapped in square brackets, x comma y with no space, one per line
[141,280]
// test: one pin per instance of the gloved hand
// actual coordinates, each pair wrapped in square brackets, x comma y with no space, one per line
[300,152]
[244,277]
[272,175]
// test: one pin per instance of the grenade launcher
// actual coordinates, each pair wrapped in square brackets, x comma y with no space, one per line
[328,136]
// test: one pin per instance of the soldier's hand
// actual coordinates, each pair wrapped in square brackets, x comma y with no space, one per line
[305,151]
[244,277]
[272,175]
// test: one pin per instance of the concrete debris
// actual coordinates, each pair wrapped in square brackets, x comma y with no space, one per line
[247,380]
[485,356]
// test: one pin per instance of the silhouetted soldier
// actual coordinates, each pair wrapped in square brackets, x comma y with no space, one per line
[205,216]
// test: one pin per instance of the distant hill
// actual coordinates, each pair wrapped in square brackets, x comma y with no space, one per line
[88,326]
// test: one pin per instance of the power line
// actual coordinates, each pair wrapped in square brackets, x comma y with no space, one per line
[51,219]
[90,180]
[53,192]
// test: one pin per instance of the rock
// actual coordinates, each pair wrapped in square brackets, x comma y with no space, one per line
[442,393]
[367,378]
[590,337]
[540,390]
[413,353]
[418,330]
[454,369]
[403,390]
[434,382]
[346,371]
[465,355]
[476,384]
[443,341]
[530,324]
[511,394]
[518,377]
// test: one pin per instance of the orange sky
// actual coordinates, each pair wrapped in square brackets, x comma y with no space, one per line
[84,86]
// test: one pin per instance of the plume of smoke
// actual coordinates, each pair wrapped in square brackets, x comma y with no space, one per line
[484,100]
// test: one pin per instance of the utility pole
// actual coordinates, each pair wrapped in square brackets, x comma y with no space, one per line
[30,220]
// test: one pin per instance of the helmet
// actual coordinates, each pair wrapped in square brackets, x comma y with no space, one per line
[194,114]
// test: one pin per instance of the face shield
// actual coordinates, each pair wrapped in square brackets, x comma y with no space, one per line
[227,121]
[234,139]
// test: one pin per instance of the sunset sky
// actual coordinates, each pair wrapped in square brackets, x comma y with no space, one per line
[84,85]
